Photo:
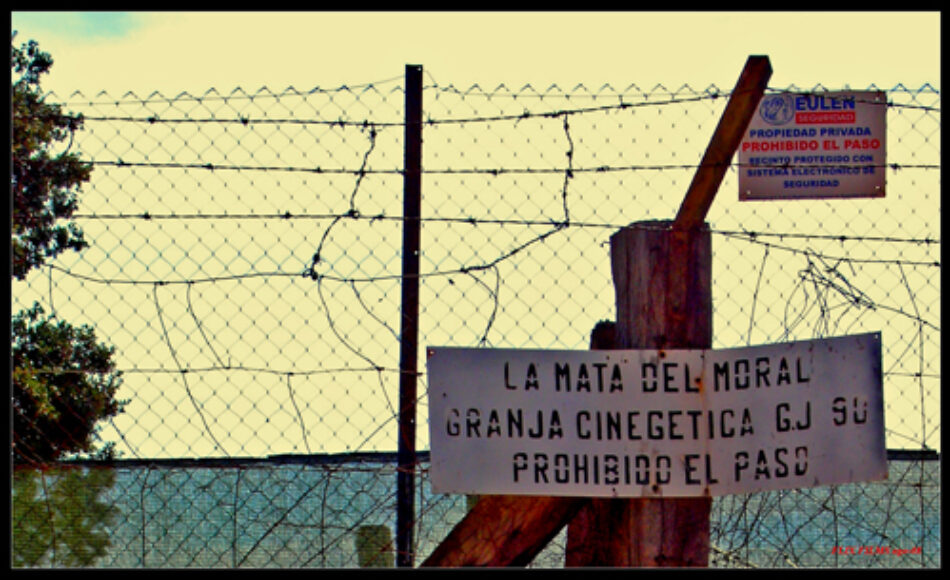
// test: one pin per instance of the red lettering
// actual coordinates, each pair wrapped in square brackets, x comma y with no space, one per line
[862,144]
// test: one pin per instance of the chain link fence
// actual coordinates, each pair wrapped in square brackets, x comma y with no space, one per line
[244,260]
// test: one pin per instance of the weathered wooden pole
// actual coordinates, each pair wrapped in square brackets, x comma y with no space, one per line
[662,309]
[511,530]
[504,530]
[662,279]
[662,273]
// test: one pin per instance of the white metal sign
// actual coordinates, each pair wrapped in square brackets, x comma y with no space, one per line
[815,145]
[652,423]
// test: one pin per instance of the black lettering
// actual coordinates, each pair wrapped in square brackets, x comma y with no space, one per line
[746,423]
[742,368]
[494,424]
[649,388]
[531,381]
[472,421]
[600,375]
[709,476]
[562,373]
[520,463]
[689,388]
[668,377]
[725,431]
[540,468]
[690,468]
[583,379]
[801,460]
[742,463]
[642,465]
[782,469]
[654,429]
[721,371]
[762,371]
[694,414]
[581,432]
[580,468]
[452,427]
[782,423]
[663,477]
[616,381]
[862,417]
[611,469]
[801,425]
[784,376]
[613,424]
[762,466]
[562,469]
[840,410]
[508,384]
[674,431]
[555,430]
[515,423]
[799,375]
[538,431]
[632,426]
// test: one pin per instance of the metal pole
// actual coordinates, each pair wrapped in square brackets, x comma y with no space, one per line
[409,331]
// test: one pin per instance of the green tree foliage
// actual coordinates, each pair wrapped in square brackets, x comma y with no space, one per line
[58,518]
[44,183]
[64,382]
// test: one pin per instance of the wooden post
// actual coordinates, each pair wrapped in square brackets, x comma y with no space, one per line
[589,534]
[662,277]
[504,530]
[725,140]
[662,281]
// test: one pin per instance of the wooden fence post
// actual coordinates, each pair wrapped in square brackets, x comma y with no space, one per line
[662,278]
[662,281]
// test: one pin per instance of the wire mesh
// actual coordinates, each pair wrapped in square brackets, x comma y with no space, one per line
[244,259]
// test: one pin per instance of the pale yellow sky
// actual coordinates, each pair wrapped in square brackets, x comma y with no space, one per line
[194,51]
[178,52]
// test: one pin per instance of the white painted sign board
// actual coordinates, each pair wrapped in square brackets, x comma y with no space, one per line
[650,423]
[815,146]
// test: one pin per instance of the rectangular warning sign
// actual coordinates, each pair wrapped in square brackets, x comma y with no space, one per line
[656,423]
[815,146]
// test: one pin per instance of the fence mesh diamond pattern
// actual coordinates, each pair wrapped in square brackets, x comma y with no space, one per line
[245,261]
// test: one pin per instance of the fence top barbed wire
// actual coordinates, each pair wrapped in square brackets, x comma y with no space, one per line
[569,122]
[259,321]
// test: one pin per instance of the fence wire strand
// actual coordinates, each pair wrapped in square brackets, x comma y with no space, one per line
[245,262]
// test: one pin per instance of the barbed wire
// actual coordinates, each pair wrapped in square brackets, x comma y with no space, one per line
[147,216]
[827,295]
[157,97]
[710,94]
[499,171]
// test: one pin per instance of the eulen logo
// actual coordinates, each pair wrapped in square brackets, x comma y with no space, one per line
[777,109]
